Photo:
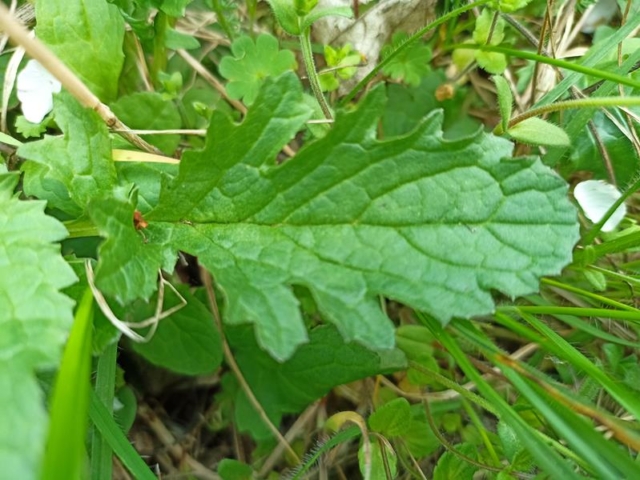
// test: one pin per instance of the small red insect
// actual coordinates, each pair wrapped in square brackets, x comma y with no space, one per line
[138,221]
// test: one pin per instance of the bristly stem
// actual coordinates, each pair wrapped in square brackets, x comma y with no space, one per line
[312,74]
[595,102]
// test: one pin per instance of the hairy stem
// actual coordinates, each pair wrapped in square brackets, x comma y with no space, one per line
[312,74]
[594,102]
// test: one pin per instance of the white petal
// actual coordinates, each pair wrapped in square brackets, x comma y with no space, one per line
[35,87]
[599,14]
[595,197]
[36,105]
[35,77]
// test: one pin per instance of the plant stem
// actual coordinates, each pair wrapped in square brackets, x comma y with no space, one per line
[312,74]
[594,72]
[595,102]
[160,26]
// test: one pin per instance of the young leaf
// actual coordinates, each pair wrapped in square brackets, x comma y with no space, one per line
[68,171]
[391,419]
[492,62]
[505,100]
[230,469]
[87,37]
[318,13]
[411,65]
[431,223]
[286,15]
[451,467]
[488,31]
[252,63]
[381,457]
[35,319]
[535,131]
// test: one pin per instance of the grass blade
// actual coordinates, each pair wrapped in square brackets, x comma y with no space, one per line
[65,453]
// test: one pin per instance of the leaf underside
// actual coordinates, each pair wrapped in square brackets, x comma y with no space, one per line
[431,223]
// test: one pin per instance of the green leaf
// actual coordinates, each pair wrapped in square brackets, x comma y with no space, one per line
[505,100]
[65,452]
[431,223]
[411,65]
[230,469]
[509,6]
[252,63]
[492,62]
[31,130]
[286,15]
[128,266]
[87,36]
[68,171]
[319,13]
[150,111]
[376,466]
[391,419]
[407,106]
[451,467]
[186,342]
[177,40]
[35,319]
[173,8]
[536,131]
[284,387]
[483,28]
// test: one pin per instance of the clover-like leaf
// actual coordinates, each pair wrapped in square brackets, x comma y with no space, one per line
[431,223]
[411,64]
[252,63]
[35,319]
[87,37]
[70,170]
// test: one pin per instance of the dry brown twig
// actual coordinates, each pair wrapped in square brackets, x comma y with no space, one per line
[233,365]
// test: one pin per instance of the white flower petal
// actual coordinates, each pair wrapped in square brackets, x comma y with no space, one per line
[598,14]
[36,105]
[35,87]
[595,197]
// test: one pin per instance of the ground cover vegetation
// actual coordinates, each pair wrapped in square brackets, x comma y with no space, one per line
[319,239]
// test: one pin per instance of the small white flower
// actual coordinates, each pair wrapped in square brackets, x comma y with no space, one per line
[595,197]
[598,14]
[36,87]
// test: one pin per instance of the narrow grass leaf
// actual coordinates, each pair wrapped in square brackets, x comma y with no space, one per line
[65,451]
[121,446]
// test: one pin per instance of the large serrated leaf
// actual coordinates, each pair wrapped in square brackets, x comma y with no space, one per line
[34,321]
[432,223]
[87,36]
